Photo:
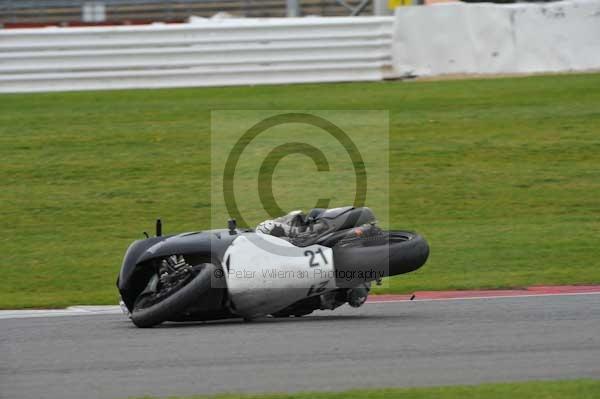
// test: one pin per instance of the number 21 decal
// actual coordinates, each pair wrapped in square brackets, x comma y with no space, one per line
[312,262]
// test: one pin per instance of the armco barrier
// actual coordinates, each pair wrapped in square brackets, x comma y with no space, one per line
[457,38]
[201,53]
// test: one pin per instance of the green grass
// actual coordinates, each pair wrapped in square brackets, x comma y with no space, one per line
[502,176]
[575,389]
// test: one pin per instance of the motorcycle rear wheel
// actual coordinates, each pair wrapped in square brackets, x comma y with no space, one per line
[386,254]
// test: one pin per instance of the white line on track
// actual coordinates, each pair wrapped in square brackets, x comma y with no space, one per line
[115,309]
[70,311]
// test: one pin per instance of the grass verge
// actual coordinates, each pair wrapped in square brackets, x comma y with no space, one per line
[502,176]
[575,389]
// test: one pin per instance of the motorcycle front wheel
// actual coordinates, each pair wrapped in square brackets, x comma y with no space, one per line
[153,308]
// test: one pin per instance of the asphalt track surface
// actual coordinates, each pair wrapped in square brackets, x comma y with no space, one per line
[392,344]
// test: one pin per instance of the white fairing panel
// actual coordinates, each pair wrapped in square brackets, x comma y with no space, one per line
[266,274]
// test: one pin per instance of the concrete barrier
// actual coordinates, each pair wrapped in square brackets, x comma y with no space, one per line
[457,38]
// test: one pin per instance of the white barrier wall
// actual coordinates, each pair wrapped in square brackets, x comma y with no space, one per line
[454,38]
[201,53]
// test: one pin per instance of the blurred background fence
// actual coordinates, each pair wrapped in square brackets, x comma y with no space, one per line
[76,12]
[32,13]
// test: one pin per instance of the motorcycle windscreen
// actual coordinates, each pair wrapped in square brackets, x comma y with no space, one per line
[266,274]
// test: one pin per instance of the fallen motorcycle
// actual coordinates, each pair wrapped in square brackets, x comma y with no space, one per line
[321,260]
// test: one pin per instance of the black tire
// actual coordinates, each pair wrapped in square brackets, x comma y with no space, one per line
[176,302]
[388,254]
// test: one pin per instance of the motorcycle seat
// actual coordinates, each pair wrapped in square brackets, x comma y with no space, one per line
[321,225]
[337,219]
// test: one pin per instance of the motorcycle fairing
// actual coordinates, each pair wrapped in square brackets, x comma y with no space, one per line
[206,246]
[266,274]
